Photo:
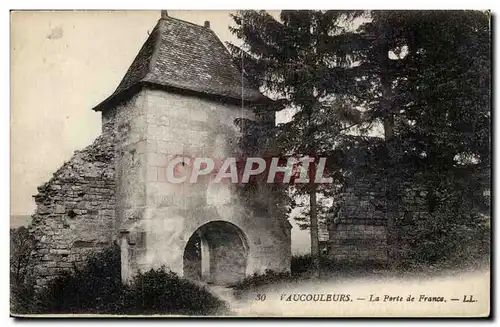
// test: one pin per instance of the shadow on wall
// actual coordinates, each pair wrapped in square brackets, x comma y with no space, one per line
[217,253]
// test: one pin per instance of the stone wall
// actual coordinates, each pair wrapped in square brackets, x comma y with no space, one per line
[75,211]
[358,232]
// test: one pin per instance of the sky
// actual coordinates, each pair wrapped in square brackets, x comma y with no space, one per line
[62,65]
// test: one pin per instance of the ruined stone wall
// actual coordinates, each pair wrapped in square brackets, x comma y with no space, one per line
[358,232]
[75,211]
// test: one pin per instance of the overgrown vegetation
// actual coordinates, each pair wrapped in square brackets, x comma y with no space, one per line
[269,277]
[21,245]
[401,98]
[97,289]
[300,271]
[331,270]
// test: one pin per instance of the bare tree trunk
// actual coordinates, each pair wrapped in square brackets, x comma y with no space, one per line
[388,122]
[391,196]
[314,230]
[313,204]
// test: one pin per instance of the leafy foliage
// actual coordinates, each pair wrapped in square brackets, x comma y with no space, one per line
[288,59]
[21,245]
[300,272]
[97,289]
[267,278]
[163,292]
[419,78]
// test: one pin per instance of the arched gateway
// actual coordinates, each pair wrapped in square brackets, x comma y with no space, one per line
[217,252]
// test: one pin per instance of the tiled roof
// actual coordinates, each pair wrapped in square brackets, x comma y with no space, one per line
[185,56]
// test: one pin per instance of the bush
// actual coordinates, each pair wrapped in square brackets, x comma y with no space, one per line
[21,284]
[163,292]
[93,289]
[447,240]
[97,289]
[300,264]
[269,277]
[299,269]
[21,245]
[21,297]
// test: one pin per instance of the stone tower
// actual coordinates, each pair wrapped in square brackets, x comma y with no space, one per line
[180,96]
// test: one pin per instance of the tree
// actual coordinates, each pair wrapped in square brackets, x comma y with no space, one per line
[444,126]
[21,245]
[21,282]
[288,58]
[422,76]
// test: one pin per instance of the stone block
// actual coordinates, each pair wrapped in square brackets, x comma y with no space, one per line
[152,174]
[156,159]
[170,147]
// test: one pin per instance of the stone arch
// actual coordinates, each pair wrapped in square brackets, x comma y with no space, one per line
[216,253]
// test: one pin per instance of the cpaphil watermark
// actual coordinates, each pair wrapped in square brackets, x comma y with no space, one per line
[286,170]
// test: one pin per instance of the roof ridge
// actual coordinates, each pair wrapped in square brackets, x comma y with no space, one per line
[184,21]
[156,50]
[231,62]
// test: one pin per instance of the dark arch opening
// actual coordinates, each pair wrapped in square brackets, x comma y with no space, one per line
[216,253]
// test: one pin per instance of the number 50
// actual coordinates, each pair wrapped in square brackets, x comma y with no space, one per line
[260,297]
